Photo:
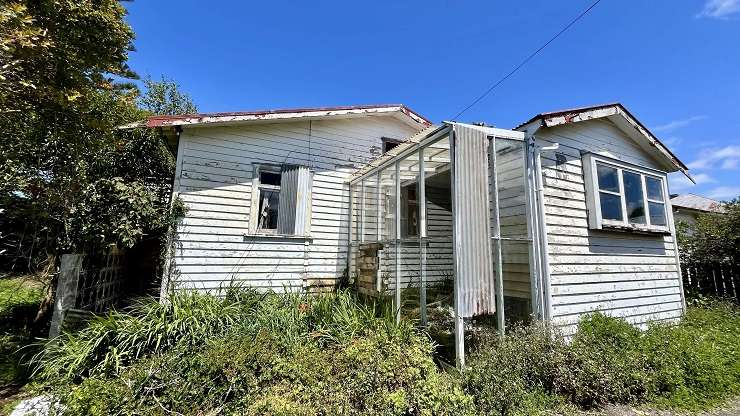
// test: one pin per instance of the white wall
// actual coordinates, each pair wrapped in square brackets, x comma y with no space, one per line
[634,276]
[214,177]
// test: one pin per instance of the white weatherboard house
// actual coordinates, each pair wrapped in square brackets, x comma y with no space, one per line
[566,214]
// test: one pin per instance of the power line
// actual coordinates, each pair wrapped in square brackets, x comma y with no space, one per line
[527,59]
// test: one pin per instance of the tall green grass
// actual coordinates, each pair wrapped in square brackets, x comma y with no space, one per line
[254,353]
[249,353]
[111,342]
[19,303]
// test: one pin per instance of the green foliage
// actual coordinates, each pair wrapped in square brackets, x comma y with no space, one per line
[696,364]
[59,112]
[604,364]
[19,302]
[514,374]
[250,353]
[714,239]
[692,365]
[164,97]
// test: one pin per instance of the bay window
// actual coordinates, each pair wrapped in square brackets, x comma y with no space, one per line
[624,196]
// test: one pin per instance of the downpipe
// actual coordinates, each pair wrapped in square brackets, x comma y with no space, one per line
[544,261]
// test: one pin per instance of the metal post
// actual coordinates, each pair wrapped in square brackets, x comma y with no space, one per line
[363,207]
[398,242]
[378,202]
[421,195]
[533,228]
[540,187]
[459,320]
[352,235]
[497,236]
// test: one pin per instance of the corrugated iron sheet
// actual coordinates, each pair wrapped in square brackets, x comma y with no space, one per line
[295,197]
[474,277]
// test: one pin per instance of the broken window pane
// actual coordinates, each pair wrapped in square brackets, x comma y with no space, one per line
[633,197]
[370,209]
[269,178]
[268,209]
[387,189]
[409,171]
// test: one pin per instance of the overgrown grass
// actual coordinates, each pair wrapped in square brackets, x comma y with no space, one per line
[251,353]
[692,365]
[19,302]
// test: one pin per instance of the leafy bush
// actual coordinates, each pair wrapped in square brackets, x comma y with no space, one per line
[514,374]
[250,353]
[19,302]
[603,364]
[695,364]
[691,365]
[377,374]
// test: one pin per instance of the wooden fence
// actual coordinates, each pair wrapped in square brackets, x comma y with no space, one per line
[715,279]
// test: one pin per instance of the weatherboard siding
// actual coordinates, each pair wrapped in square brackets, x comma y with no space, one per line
[214,247]
[634,276]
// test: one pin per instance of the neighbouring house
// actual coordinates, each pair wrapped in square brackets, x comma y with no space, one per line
[563,215]
[688,207]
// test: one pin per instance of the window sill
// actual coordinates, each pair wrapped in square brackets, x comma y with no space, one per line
[271,236]
[637,229]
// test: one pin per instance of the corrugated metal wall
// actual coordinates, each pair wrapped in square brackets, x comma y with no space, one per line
[295,200]
[474,278]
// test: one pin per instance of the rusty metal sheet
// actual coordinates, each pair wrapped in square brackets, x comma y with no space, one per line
[474,277]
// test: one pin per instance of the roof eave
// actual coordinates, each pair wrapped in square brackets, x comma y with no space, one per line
[615,112]
[402,113]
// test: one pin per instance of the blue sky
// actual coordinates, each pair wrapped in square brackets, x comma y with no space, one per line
[674,64]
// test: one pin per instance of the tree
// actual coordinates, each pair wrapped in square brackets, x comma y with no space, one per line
[715,238]
[70,178]
[164,98]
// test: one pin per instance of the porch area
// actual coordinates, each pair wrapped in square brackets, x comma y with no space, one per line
[445,224]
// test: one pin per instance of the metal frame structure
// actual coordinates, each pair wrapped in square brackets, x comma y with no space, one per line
[471,260]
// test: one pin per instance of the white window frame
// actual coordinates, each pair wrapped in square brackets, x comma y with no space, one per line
[593,196]
[257,188]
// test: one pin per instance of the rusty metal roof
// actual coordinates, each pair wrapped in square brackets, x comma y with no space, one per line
[406,113]
[574,115]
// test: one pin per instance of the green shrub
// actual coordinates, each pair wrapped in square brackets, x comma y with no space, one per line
[383,373]
[603,364]
[695,364]
[514,374]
